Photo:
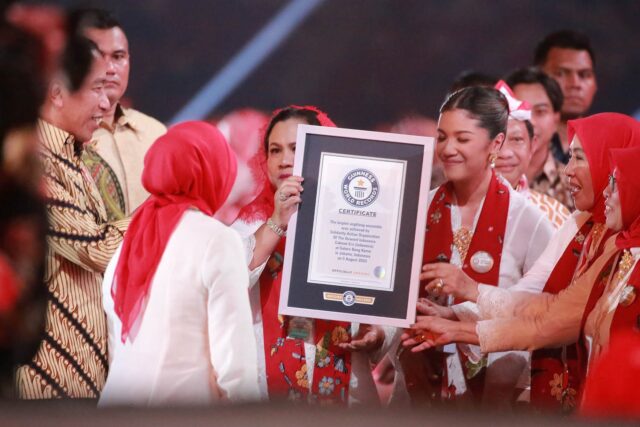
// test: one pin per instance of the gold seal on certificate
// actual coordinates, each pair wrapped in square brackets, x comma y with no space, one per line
[357,221]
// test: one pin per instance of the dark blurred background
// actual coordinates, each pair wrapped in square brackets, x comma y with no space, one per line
[365,62]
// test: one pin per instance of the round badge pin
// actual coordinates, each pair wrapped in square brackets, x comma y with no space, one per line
[628,296]
[481,262]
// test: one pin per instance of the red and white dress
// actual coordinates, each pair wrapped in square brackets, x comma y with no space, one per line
[511,233]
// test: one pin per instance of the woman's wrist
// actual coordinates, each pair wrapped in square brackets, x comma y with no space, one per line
[277,228]
[472,291]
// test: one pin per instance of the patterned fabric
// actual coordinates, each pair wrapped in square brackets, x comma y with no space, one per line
[553,182]
[555,373]
[488,237]
[555,211]
[115,159]
[72,358]
[286,365]
[627,311]
[107,183]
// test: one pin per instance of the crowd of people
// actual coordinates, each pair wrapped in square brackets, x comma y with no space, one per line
[141,265]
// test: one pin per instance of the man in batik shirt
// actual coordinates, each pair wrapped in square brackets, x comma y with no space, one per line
[72,358]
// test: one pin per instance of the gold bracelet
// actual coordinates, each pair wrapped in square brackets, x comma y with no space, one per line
[276,228]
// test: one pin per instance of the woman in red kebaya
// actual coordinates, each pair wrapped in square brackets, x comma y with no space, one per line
[298,358]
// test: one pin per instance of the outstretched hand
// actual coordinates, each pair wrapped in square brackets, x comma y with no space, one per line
[369,338]
[427,307]
[429,332]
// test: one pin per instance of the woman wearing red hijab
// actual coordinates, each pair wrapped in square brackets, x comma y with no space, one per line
[176,315]
[529,321]
[617,307]
[555,374]
[298,358]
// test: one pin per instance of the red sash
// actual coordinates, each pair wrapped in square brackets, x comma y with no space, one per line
[555,377]
[488,236]
[598,288]
[627,315]
[285,362]
[596,292]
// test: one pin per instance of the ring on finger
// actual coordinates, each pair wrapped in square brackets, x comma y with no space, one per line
[282,196]
[439,285]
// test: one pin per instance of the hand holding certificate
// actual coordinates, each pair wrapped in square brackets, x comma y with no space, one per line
[354,249]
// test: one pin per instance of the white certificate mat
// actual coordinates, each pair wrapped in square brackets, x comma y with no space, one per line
[357,221]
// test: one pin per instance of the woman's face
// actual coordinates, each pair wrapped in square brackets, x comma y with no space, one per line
[463,146]
[579,177]
[612,208]
[281,149]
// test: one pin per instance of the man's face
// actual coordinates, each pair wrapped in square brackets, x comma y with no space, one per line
[83,110]
[515,154]
[114,48]
[544,119]
[573,70]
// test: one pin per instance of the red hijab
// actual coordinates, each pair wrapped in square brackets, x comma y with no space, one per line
[626,162]
[190,166]
[262,206]
[599,134]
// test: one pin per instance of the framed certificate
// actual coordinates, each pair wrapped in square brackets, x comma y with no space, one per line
[354,248]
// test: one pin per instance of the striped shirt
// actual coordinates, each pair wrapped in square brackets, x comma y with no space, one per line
[72,358]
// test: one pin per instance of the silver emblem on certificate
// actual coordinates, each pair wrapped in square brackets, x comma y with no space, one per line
[349,298]
[481,262]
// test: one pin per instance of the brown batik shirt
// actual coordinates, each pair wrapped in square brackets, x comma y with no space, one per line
[72,358]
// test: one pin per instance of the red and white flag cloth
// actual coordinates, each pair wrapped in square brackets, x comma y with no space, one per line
[518,110]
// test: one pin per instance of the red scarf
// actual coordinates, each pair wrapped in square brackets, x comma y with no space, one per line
[488,236]
[599,134]
[262,206]
[190,166]
[627,315]
[626,162]
[555,378]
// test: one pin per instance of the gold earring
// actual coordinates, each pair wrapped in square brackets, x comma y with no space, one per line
[492,160]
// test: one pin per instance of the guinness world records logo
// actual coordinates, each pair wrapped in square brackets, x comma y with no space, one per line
[360,188]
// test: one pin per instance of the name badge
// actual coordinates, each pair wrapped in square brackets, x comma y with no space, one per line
[481,262]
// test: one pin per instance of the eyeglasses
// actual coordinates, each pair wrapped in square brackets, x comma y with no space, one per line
[612,183]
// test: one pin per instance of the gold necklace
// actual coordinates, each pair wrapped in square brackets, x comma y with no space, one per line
[625,264]
[462,241]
